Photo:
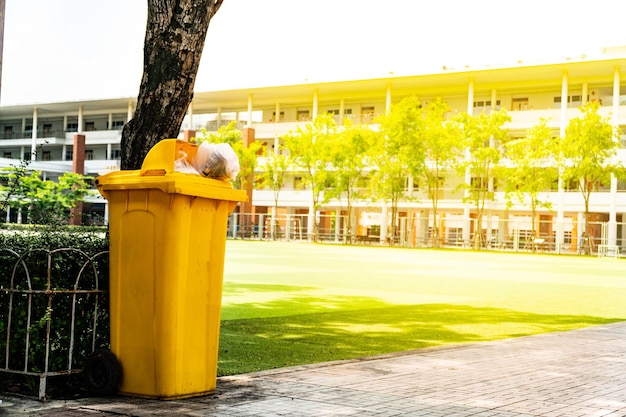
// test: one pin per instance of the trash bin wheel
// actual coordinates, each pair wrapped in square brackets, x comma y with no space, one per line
[102,373]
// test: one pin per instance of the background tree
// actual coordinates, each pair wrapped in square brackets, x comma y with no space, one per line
[348,155]
[47,202]
[588,150]
[442,147]
[175,35]
[483,135]
[399,154]
[309,149]
[532,169]
[272,176]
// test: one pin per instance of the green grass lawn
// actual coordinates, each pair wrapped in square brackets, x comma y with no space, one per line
[288,303]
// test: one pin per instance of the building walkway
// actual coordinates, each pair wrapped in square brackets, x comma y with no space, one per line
[569,374]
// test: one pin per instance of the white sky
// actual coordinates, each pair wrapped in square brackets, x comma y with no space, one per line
[67,50]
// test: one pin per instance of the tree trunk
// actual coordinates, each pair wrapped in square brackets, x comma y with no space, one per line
[175,35]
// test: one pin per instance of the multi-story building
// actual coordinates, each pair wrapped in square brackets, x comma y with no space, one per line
[529,91]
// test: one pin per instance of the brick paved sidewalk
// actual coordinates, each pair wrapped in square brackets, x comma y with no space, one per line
[570,374]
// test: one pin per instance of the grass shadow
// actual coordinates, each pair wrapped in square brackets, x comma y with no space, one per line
[352,327]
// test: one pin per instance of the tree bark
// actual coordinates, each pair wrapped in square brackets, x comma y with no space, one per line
[175,35]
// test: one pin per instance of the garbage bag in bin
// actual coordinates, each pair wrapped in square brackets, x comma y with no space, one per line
[167,240]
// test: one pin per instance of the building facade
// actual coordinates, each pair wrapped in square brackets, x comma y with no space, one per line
[529,91]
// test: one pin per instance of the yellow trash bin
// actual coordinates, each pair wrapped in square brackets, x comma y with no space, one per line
[167,240]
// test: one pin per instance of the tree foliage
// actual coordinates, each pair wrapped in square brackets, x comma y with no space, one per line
[47,202]
[483,134]
[400,153]
[349,158]
[532,169]
[272,175]
[443,148]
[309,148]
[588,150]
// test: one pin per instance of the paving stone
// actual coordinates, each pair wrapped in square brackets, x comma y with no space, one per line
[570,374]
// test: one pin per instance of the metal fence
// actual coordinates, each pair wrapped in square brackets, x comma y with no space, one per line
[53,311]
[515,234]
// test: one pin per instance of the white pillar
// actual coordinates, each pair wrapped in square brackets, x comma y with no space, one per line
[612,232]
[33,146]
[468,175]
[579,231]
[277,113]
[129,111]
[623,231]
[584,98]
[218,118]
[109,149]
[106,212]
[388,99]
[249,121]
[470,96]
[560,216]
[315,104]
[342,110]
[80,119]
[190,114]
[383,222]
[110,123]
[311,221]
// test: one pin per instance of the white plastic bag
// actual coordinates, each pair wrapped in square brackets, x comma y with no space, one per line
[182,164]
[216,160]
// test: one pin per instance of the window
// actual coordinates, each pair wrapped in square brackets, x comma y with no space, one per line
[7,155]
[520,103]
[567,236]
[416,185]
[298,184]
[47,129]
[572,101]
[455,235]
[484,105]
[45,156]
[8,132]
[69,155]
[571,185]
[367,114]
[90,126]
[72,127]
[88,155]
[303,116]
[482,184]
[479,183]
[27,156]
[281,119]
[117,124]
[116,154]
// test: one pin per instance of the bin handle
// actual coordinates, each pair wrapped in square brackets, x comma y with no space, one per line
[161,158]
[153,172]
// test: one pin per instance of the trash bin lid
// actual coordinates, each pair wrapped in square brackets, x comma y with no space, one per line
[157,172]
